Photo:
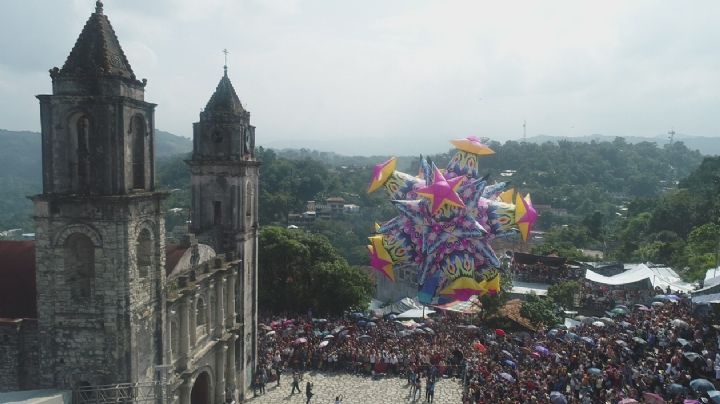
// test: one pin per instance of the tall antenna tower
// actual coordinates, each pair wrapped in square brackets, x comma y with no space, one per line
[524,130]
[671,135]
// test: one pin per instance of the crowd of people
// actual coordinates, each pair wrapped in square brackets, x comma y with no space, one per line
[540,272]
[655,352]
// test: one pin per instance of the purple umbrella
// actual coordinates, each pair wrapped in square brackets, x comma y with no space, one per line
[542,350]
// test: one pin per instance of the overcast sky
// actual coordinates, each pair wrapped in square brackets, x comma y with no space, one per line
[387,76]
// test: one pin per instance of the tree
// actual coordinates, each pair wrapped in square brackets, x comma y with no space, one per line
[563,293]
[702,250]
[301,271]
[540,311]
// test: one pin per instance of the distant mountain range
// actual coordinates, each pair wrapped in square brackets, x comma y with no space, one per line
[709,146]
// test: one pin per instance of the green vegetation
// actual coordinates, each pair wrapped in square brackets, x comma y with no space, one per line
[681,229]
[301,271]
[564,293]
[540,311]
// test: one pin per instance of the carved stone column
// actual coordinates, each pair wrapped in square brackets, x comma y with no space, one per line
[192,318]
[230,375]
[184,332]
[230,293]
[184,391]
[221,351]
[219,325]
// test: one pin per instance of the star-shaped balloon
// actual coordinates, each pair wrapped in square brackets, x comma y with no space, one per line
[442,191]
[379,257]
[381,173]
[446,222]
[526,215]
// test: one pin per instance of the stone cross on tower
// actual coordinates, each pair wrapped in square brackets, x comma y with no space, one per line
[225,51]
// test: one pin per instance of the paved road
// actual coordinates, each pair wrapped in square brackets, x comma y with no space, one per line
[355,390]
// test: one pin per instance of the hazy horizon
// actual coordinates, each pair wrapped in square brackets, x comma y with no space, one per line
[407,75]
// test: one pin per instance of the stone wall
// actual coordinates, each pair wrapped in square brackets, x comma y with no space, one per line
[99,340]
[18,354]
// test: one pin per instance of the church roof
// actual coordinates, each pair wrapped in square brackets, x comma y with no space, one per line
[225,99]
[17,279]
[97,50]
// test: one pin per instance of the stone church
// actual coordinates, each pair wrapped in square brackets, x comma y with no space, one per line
[98,303]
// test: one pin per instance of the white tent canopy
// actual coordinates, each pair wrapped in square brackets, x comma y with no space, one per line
[416,313]
[526,288]
[713,298]
[657,276]
[712,277]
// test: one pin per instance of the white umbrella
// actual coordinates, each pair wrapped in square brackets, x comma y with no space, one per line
[679,323]
[507,377]
[323,344]
[598,324]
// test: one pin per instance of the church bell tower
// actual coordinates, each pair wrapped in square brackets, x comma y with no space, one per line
[224,171]
[99,221]
[224,187]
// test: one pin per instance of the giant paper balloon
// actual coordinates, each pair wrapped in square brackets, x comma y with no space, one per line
[445,224]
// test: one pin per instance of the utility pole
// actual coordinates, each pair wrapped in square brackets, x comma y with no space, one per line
[671,136]
[524,130]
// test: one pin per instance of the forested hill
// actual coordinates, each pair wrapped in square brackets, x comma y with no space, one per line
[585,177]
[21,171]
[589,186]
[708,146]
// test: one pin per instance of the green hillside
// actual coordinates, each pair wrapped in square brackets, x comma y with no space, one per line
[21,171]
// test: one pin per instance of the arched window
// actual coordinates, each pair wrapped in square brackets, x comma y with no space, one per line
[144,253]
[138,152]
[200,316]
[82,151]
[79,263]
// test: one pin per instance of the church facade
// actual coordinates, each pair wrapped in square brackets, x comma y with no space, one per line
[115,305]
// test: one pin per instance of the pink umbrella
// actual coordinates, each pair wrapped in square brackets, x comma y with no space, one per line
[628,401]
[300,341]
[652,398]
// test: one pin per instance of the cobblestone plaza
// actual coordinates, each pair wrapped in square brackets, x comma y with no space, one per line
[356,390]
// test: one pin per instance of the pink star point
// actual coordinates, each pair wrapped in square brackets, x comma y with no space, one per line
[530,215]
[379,263]
[443,191]
[381,172]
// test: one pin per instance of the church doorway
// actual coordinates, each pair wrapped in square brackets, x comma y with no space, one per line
[200,393]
